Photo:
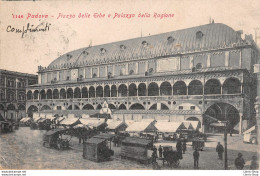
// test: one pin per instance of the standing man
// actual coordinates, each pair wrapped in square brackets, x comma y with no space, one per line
[179,148]
[184,146]
[239,162]
[160,151]
[220,151]
[196,156]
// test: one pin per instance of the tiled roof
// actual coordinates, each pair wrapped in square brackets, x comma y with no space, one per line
[215,35]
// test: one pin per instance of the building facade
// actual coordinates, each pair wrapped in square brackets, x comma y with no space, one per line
[13,93]
[202,73]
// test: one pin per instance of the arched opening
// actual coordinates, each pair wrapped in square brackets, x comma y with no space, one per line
[137,106]
[142,89]
[77,93]
[49,94]
[88,107]
[165,89]
[99,91]
[62,94]
[153,89]
[76,107]
[231,86]
[164,107]
[107,91]
[2,107]
[179,88]
[111,106]
[10,107]
[84,92]
[69,93]
[99,107]
[29,95]
[21,107]
[113,91]
[132,90]
[31,110]
[45,107]
[195,88]
[92,92]
[194,119]
[212,86]
[42,94]
[122,90]
[36,94]
[55,94]
[220,112]
[122,106]
[153,107]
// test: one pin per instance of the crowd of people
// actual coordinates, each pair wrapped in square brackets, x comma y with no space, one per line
[181,148]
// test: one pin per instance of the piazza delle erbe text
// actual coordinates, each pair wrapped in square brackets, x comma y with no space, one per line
[189,102]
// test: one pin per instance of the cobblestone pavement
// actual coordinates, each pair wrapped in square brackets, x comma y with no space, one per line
[23,150]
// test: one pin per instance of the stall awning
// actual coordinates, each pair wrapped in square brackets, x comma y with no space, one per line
[169,127]
[95,141]
[25,119]
[51,132]
[141,127]
[195,124]
[114,124]
[188,125]
[137,141]
[104,136]
[70,121]
[98,115]
[217,124]
[250,130]
[92,122]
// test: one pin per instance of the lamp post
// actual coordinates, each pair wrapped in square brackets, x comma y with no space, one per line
[225,143]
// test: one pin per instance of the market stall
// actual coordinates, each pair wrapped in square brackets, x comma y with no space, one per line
[137,148]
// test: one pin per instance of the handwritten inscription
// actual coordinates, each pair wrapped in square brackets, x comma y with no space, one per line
[29,28]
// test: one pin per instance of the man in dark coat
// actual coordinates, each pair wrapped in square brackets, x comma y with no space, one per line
[220,150]
[184,147]
[239,162]
[160,151]
[254,163]
[179,148]
[196,156]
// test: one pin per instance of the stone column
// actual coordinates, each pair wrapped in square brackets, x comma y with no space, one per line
[240,122]
[257,103]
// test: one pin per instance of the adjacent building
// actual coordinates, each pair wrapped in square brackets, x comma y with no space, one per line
[203,73]
[13,93]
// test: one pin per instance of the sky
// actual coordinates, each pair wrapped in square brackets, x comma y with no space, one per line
[25,54]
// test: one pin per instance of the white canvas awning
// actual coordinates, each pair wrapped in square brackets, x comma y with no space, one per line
[114,124]
[188,125]
[250,130]
[169,127]
[195,124]
[141,127]
[69,121]
[92,122]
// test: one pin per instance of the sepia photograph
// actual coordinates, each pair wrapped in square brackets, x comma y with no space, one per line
[130,85]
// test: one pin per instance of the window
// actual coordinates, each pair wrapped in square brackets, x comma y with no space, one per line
[58,107]
[102,50]
[180,107]
[192,107]
[170,39]
[131,72]
[199,66]
[69,56]
[199,35]
[94,75]
[122,47]
[145,44]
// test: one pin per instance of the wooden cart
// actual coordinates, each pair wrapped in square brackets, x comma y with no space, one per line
[52,139]
[96,149]
[136,148]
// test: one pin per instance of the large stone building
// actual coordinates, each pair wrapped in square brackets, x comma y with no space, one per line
[201,73]
[13,93]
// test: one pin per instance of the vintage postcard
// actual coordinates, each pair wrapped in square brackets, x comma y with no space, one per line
[130,85]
